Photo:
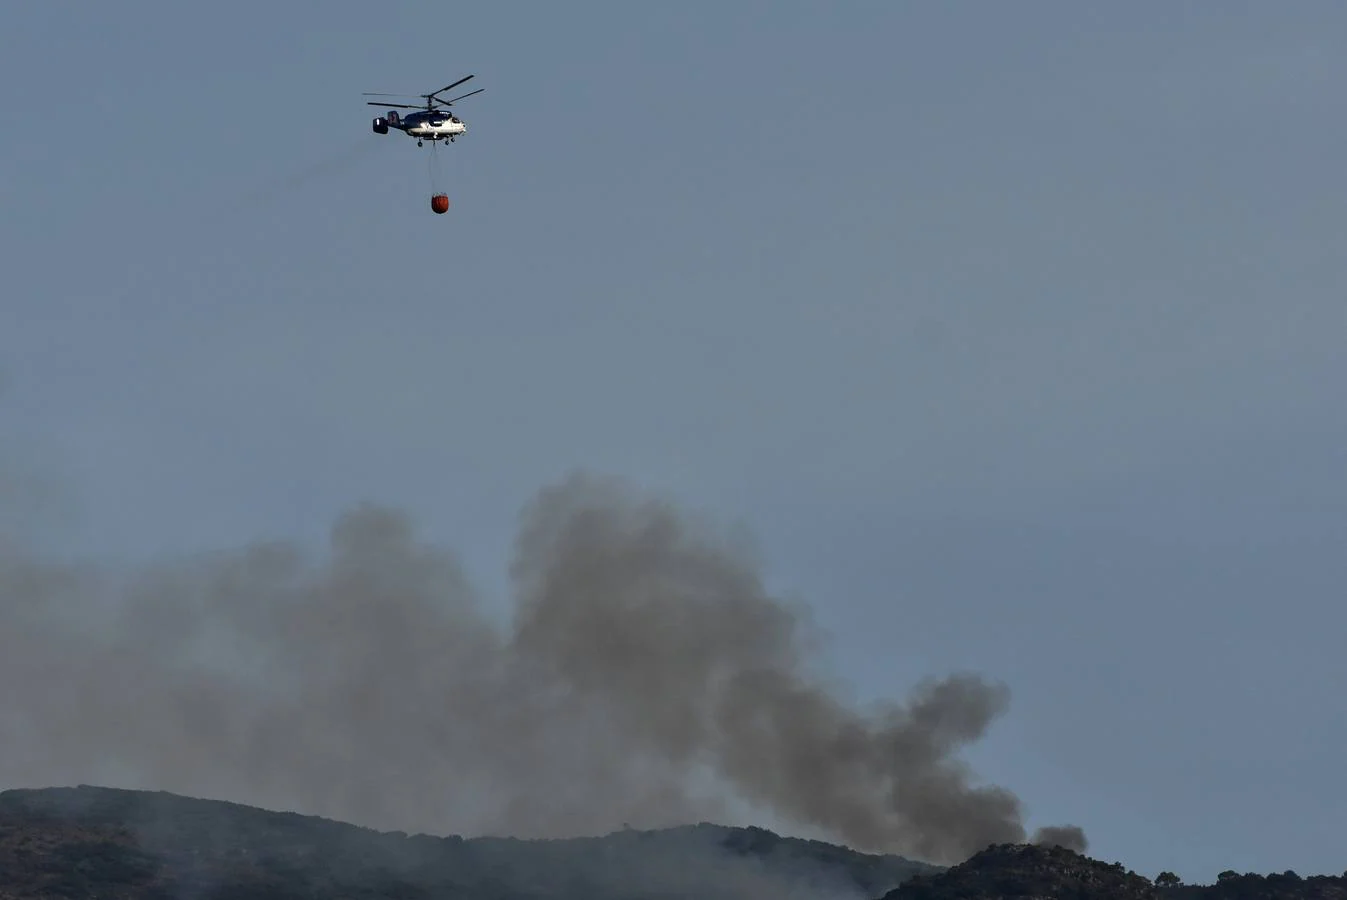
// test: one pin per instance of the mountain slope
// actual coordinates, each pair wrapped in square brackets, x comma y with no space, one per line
[113,844]
[137,845]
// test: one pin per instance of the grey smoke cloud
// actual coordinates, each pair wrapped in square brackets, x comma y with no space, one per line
[648,678]
[1071,837]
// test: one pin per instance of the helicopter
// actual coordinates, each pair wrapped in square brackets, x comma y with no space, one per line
[430,122]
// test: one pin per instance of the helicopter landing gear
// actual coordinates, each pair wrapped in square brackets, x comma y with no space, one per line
[419,144]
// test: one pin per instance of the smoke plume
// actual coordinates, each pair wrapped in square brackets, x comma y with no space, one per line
[1071,837]
[648,678]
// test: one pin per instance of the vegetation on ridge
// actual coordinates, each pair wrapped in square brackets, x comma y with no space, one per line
[1027,871]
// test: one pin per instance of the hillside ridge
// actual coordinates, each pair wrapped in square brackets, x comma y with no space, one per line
[119,844]
[89,841]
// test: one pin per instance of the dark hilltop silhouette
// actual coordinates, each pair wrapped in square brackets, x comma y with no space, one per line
[1041,871]
[112,844]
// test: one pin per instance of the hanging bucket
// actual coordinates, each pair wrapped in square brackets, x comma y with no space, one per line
[440,203]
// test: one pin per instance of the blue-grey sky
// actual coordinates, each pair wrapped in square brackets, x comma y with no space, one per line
[1014,333]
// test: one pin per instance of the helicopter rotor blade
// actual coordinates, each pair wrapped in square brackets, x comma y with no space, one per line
[395,105]
[448,86]
[461,96]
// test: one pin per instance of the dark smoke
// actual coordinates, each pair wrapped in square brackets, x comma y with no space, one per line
[648,679]
[1070,837]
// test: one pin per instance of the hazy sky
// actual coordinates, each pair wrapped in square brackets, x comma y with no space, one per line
[1014,333]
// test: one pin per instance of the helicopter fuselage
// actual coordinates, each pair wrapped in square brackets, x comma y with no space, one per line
[432,125]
